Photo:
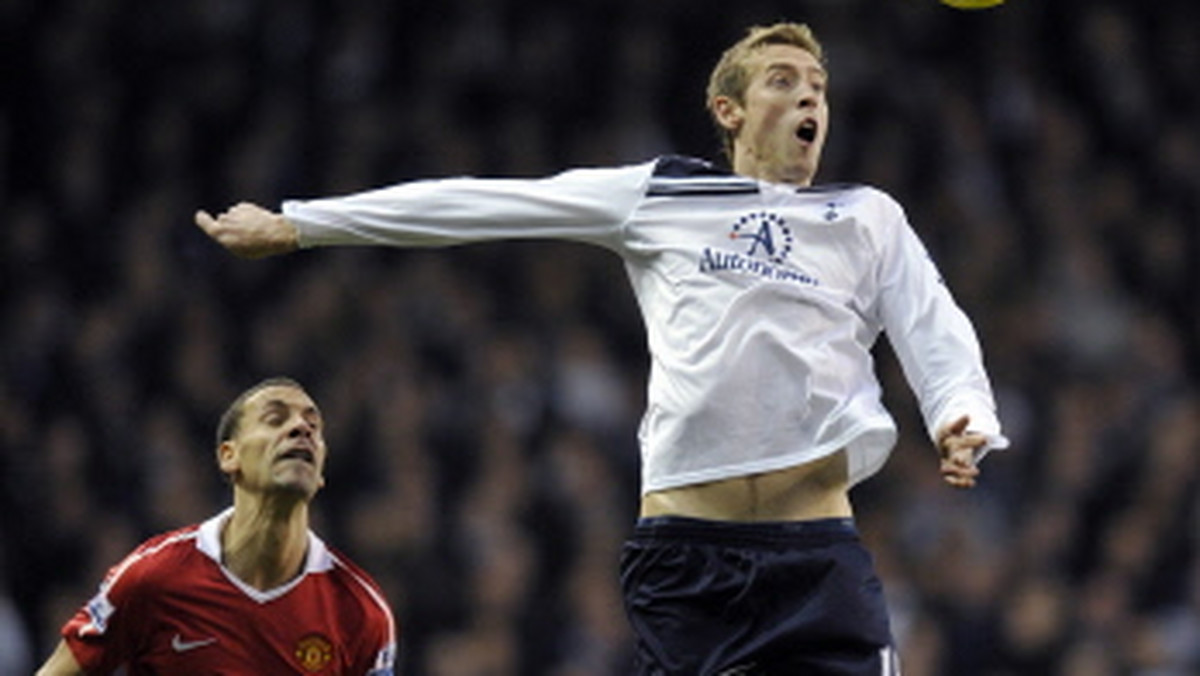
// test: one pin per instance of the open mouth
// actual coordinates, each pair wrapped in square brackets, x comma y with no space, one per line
[807,131]
[301,453]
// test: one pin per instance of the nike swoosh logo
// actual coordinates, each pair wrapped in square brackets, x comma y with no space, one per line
[180,646]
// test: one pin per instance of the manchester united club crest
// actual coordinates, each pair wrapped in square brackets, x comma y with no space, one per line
[314,652]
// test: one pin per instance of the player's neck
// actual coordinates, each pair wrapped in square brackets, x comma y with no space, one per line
[747,163]
[264,543]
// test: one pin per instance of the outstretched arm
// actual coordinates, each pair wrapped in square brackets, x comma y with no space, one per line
[250,231]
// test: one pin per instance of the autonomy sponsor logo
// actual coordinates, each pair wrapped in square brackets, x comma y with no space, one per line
[768,234]
[768,243]
[716,261]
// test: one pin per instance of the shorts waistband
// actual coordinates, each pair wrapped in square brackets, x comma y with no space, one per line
[706,531]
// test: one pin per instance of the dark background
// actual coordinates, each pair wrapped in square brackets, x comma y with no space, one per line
[483,401]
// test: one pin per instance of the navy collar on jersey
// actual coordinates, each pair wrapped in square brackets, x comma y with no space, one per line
[677,175]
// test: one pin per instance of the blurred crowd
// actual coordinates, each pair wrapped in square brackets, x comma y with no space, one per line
[482,401]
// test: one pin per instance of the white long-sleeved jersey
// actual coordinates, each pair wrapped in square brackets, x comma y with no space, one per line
[761,303]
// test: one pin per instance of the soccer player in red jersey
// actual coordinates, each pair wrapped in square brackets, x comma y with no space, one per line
[251,590]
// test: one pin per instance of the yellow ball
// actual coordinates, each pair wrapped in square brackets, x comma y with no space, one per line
[972,4]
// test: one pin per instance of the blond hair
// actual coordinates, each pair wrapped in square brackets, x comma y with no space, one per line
[731,76]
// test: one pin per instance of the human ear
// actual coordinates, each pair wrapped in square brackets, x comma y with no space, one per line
[227,457]
[728,113]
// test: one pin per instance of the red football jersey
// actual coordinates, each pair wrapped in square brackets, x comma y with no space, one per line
[171,608]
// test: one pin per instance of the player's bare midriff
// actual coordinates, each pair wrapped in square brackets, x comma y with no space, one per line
[814,490]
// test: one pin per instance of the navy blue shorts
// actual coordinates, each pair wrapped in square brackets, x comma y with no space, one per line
[710,598]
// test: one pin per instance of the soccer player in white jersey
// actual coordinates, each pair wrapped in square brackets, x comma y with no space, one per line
[762,297]
[250,591]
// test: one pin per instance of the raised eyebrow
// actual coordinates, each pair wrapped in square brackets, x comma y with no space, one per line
[278,405]
[792,69]
[818,71]
[273,406]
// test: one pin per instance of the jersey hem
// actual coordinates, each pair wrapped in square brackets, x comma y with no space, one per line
[868,447]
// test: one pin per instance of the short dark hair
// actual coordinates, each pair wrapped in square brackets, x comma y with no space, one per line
[231,419]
